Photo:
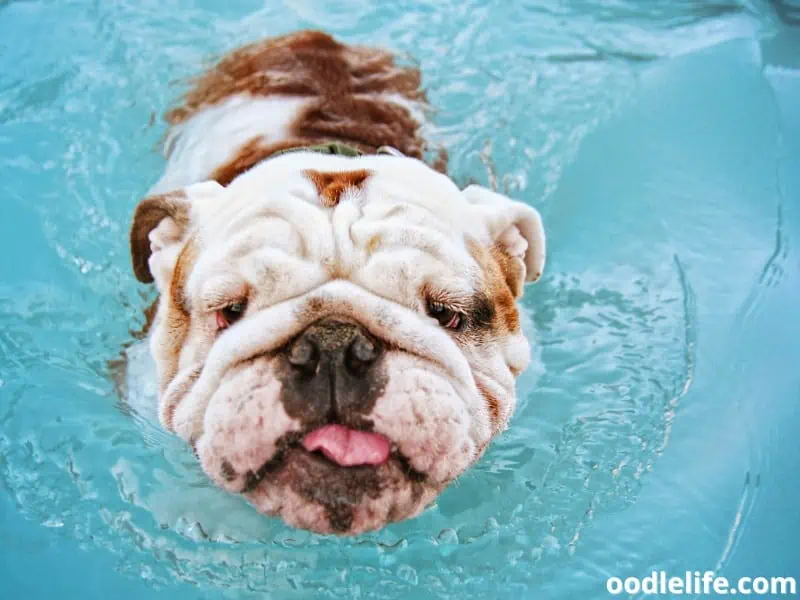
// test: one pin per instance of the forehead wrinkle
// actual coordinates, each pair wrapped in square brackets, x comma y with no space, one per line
[385,209]
[413,277]
[375,238]
[273,276]
[267,233]
[241,216]
[246,228]
[219,265]
[421,187]
[297,213]
[267,265]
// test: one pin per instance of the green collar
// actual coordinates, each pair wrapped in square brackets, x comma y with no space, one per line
[337,149]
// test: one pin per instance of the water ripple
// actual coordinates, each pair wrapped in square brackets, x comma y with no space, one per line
[79,83]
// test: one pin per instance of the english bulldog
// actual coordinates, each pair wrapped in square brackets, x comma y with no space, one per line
[336,333]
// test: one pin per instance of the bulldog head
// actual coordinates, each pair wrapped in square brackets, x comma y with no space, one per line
[337,338]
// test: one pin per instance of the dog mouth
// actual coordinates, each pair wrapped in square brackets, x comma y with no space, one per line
[330,452]
[348,447]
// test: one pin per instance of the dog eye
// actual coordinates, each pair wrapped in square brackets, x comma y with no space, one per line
[228,315]
[447,317]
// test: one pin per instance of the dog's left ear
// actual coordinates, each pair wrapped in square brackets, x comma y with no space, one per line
[516,229]
[160,226]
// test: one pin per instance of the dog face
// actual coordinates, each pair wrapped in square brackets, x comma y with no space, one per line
[336,337]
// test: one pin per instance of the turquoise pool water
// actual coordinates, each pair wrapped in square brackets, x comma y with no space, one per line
[660,141]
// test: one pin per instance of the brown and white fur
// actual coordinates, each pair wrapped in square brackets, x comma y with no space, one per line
[334,247]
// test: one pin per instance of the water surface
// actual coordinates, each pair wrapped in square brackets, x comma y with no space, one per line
[660,141]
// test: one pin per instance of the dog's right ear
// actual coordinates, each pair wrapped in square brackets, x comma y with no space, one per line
[516,229]
[160,225]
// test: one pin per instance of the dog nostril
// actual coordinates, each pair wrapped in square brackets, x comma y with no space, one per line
[361,353]
[303,355]
[364,350]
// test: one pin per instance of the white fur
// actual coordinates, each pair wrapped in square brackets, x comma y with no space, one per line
[268,236]
[212,136]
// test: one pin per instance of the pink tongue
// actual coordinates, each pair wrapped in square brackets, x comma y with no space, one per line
[348,447]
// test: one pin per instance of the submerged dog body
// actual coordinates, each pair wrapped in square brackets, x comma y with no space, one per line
[336,336]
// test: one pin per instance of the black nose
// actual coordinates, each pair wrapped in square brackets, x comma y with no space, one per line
[341,345]
[331,373]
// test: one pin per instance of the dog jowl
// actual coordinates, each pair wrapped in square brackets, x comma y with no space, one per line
[337,333]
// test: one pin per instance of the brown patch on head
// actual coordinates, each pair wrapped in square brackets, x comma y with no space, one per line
[331,185]
[348,89]
[149,213]
[493,263]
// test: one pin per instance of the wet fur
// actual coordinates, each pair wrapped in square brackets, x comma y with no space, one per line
[336,232]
